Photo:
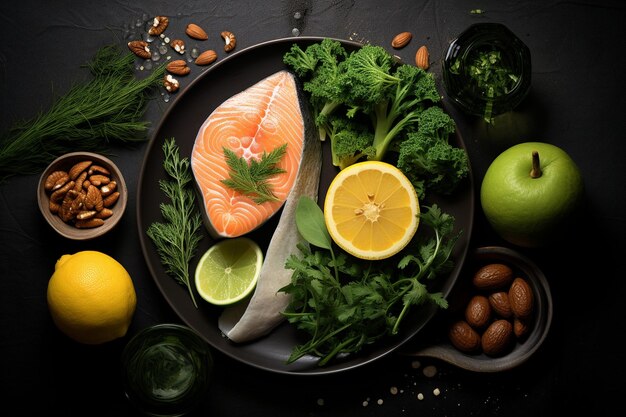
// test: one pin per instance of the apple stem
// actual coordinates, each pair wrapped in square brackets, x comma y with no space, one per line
[535,172]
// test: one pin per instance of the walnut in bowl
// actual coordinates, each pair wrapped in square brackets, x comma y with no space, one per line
[82,195]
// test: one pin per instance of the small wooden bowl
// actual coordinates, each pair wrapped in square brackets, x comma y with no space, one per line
[69,229]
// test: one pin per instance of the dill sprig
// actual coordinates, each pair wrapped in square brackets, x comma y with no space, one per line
[107,108]
[177,238]
[251,178]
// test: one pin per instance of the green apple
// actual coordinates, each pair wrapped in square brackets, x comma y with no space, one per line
[530,193]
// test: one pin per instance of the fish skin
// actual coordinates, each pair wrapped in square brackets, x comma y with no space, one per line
[264,311]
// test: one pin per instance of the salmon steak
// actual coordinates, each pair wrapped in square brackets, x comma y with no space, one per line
[254,122]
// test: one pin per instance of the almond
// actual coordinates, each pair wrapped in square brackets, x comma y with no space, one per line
[140,48]
[196,32]
[500,304]
[521,298]
[478,312]
[401,40]
[422,58]
[492,276]
[520,328]
[178,67]
[206,57]
[464,337]
[498,338]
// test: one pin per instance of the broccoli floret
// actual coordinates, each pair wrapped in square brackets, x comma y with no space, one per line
[368,75]
[319,66]
[415,92]
[427,158]
[366,84]
[351,141]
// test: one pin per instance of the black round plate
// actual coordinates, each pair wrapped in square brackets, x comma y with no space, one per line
[227,77]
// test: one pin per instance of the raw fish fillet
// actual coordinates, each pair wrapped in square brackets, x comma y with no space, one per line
[259,119]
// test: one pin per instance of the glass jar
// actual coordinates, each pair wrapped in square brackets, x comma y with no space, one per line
[166,370]
[487,70]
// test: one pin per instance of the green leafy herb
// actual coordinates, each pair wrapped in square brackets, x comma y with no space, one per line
[311,224]
[177,238]
[344,303]
[251,178]
[91,115]
[491,76]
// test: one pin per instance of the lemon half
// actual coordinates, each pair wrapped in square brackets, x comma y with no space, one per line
[371,210]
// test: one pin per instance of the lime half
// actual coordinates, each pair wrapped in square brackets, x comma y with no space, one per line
[228,271]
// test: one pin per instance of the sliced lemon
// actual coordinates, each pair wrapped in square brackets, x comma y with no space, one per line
[371,210]
[228,271]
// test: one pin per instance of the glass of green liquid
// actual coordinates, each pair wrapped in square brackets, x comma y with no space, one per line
[166,370]
[487,70]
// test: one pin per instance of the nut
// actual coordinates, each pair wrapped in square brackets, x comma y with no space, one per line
[493,276]
[159,24]
[107,189]
[56,180]
[196,32]
[206,57]
[478,312]
[99,179]
[170,83]
[521,328]
[89,223]
[178,45]
[498,338]
[464,337]
[422,58]
[97,169]
[111,199]
[401,40]
[79,201]
[229,40]
[521,298]
[78,168]
[500,304]
[178,67]
[140,48]
[60,193]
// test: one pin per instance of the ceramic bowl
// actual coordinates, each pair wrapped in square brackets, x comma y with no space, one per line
[50,204]
[522,349]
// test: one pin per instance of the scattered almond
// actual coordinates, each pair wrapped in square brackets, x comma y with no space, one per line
[401,40]
[140,48]
[178,67]
[196,32]
[422,58]
[206,57]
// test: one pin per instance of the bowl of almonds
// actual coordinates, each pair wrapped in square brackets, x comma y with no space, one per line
[82,195]
[499,313]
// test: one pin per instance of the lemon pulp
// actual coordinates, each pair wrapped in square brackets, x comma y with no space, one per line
[371,210]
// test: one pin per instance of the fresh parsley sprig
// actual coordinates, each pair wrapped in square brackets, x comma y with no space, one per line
[345,303]
[177,238]
[251,178]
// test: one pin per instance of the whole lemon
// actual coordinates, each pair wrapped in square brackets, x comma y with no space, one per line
[91,297]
